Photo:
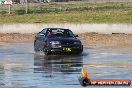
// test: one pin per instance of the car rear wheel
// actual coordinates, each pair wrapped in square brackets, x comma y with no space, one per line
[36,48]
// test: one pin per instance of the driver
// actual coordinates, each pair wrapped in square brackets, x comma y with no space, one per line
[49,33]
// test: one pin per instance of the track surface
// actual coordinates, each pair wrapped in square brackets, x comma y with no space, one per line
[20,67]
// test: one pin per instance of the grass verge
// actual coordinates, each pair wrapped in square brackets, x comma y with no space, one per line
[71,13]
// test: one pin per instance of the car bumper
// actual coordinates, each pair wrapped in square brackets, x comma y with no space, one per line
[67,49]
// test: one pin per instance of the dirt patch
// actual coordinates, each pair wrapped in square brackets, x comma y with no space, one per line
[86,38]
[16,37]
[94,38]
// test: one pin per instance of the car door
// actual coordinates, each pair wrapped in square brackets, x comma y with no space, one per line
[40,39]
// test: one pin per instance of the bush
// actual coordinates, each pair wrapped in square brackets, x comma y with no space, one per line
[30,11]
[3,12]
[20,12]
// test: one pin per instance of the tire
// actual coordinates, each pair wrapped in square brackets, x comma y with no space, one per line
[79,53]
[46,49]
[46,52]
[35,48]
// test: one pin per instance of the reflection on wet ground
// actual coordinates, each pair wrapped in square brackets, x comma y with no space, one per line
[20,67]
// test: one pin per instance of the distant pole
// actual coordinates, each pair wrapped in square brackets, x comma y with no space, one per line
[26,7]
[9,9]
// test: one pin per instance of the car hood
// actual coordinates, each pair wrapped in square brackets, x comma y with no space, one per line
[65,39]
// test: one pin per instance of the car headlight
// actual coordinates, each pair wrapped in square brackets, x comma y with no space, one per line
[77,43]
[55,42]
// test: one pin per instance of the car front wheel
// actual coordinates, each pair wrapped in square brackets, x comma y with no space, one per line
[47,53]
[46,50]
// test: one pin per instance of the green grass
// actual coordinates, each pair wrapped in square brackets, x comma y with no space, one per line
[72,13]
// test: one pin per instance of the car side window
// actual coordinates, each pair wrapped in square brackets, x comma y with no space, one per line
[70,33]
[44,31]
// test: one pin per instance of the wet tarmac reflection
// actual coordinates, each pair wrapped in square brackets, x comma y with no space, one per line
[64,64]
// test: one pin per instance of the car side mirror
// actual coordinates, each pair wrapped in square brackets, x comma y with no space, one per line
[41,34]
[76,36]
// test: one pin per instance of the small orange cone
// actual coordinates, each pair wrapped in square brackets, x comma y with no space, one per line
[86,75]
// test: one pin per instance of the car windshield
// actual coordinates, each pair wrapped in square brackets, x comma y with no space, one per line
[59,33]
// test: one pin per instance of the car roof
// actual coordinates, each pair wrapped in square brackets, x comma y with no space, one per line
[57,28]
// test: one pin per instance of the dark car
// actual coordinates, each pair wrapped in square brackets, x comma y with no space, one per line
[57,40]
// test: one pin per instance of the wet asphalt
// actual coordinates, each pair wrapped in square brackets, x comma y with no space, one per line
[21,67]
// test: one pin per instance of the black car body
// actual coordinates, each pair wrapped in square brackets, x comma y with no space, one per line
[57,40]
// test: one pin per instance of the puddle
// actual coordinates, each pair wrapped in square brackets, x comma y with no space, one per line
[20,67]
